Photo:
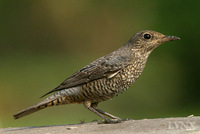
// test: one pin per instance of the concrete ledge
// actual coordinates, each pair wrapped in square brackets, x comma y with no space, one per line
[181,125]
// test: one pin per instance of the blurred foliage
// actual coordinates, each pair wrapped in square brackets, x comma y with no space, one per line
[44,42]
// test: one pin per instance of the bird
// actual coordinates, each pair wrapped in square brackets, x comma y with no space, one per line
[105,77]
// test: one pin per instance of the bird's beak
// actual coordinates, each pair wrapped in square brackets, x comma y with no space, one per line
[168,38]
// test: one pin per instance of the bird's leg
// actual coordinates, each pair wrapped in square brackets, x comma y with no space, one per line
[87,104]
[94,105]
[107,114]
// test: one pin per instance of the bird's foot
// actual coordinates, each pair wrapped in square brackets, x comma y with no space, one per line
[127,119]
[110,121]
[95,121]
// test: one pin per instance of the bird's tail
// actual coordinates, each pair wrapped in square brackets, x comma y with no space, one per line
[46,103]
[67,96]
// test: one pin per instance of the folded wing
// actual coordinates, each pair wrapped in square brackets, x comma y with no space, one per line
[106,66]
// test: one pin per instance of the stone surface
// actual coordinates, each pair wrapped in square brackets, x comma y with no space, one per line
[181,125]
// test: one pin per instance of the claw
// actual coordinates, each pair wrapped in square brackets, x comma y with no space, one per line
[94,121]
[127,119]
[110,121]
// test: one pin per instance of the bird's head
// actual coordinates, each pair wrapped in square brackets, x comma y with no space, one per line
[148,40]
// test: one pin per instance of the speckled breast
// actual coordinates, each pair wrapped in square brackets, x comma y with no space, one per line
[106,88]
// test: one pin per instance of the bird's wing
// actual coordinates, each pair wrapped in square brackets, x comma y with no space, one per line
[107,66]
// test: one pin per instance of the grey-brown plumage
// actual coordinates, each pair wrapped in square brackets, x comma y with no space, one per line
[106,77]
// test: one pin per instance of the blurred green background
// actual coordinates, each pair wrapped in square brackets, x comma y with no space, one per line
[44,42]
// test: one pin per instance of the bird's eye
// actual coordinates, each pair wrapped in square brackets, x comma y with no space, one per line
[147,36]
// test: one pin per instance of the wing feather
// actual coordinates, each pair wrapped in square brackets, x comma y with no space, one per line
[106,66]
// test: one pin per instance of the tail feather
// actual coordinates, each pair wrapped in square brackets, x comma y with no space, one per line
[26,112]
[35,108]
[56,99]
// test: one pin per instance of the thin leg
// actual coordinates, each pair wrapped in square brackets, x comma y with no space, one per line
[87,104]
[107,114]
[94,105]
